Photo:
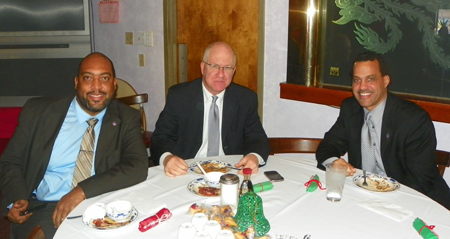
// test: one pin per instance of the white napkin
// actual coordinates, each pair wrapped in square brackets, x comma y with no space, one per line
[387,209]
[144,204]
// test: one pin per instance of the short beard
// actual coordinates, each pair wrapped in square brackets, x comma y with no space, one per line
[85,104]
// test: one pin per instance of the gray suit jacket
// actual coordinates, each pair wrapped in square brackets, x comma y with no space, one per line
[408,145]
[120,161]
[179,128]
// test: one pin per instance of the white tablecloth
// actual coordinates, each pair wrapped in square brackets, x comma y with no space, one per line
[288,207]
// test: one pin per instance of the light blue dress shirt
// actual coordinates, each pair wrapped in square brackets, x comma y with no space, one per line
[58,176]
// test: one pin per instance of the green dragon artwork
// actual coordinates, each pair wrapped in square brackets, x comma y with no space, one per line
[388,11]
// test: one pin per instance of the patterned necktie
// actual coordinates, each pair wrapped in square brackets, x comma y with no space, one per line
[85,157]
[213,129]
[368,145]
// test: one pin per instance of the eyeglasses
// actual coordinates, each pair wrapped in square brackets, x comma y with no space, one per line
[217,67]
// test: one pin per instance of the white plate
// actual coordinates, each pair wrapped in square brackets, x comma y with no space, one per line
[377,183]
[193,187]
[193,168]
[133,217]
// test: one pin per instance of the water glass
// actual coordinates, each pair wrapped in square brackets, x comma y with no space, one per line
[335,178]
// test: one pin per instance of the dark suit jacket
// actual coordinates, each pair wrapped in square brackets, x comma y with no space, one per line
[408,145]
[179,128]
[120,160]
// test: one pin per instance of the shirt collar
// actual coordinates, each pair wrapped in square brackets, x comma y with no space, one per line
[207,96]
[82,116]
[377,113]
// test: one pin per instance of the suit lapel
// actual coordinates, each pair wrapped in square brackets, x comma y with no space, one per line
[108,132]
[51,126]
[229,112]
[386,127]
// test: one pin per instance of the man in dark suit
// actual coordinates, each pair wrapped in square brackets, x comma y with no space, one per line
[405,141]
[181,131]
[38,165]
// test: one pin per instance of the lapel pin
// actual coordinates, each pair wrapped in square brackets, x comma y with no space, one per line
[114,123]
[388,135]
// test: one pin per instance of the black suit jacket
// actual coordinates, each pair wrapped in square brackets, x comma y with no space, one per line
[408,145]
[179,128]
[120,160]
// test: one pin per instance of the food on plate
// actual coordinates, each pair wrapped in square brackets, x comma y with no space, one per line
[223,214]
[108,223]
[380,184]
[212,167]
[209,191]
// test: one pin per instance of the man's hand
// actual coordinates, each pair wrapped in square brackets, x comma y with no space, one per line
[67,203]
[17,208]
[174,166]
[249,161]
[350,169]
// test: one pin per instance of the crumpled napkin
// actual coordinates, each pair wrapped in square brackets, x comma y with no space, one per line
[393,211]
[424,230]
[143,204]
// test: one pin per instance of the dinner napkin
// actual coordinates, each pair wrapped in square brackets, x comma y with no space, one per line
[261,187]
[387,209]
[424,230]
[144,204]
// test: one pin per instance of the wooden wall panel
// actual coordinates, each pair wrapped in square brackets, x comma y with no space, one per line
[201,22]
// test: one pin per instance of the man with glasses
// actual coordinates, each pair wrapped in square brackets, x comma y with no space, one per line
[210,116]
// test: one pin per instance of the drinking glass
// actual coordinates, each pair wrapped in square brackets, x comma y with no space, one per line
[335,178]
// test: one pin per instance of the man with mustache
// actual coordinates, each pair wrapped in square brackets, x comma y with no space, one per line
[37,169]
[403,142]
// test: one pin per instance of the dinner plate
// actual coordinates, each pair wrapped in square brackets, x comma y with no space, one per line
[195,185]
[377,183]
[219,166]
[115,225]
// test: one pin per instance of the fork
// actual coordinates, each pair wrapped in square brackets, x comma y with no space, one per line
[364,183]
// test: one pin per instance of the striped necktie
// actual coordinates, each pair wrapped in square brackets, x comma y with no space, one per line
[86,155]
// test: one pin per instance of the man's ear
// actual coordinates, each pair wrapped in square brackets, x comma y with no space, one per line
[387,80]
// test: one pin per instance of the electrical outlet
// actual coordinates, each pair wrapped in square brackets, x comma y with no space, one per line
[149,38]
[141,60]
[129,36]
[140,38]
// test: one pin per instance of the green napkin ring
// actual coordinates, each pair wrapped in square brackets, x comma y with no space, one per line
[424,230]
[313,183]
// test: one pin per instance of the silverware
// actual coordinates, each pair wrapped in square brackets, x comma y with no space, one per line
[73,217]
[364,183]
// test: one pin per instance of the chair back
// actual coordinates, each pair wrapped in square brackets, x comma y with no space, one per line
[293,145]
[442,160]
[126,94]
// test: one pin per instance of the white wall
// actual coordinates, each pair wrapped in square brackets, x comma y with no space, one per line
[280,117]
[109,38]
[286,118]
